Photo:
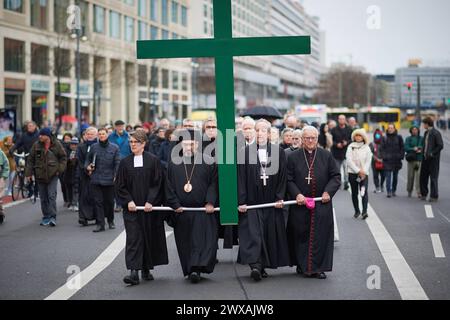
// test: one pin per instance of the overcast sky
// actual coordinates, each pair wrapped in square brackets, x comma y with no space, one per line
[408,29]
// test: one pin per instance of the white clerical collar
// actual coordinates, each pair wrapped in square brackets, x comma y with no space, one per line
[262,155]
[138,161]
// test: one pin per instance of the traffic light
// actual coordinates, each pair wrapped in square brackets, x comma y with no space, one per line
[409,85]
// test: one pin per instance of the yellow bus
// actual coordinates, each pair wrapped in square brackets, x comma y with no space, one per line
[334,113]
[379,117]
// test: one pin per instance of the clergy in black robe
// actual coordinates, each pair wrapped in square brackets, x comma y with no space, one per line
[139,183]
[262,179]
[312,172]
[192,182]
[86,207]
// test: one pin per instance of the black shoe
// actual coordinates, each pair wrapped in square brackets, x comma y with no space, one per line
[423,198]
[146,275]
[111,225]
[356,215]
[133,278]
[394,194]
[194,277]
[389,195]
[2,218]
[298,270]
[433,200]
[255,274]
[99,229]
[83,222]
[345,186]
[365,215]
[409,194]
[321,275]
[264,273]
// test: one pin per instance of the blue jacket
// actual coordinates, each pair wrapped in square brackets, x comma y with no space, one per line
[107,159]
[122,142]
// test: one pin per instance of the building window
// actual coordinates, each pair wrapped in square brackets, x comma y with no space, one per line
[205,27]
[13,5]
[84,66]
[142,30]
[164,12]
[14,55]
[129,29]
[184,81]
[165,34]
[184,18]
[114,24]
[174,12]
[38,9]
[99,19]
[205,10]
[175,85]
[154,10]
[129,2]
[174,35]
[142,8]
[154,82]
[39,59]
[62,63]
[165,78]
[142,75]
[60,15]
[153,33]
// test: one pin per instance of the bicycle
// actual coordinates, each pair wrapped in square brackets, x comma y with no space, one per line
[20,188]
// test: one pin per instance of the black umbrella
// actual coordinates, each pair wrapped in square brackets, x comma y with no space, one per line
[258,112]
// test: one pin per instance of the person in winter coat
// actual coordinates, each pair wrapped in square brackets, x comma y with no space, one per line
[5,146]
[102,164]
[71,175]
[414,157]
[48,160]
[359,159]
[392,153]
[325,137]
[4,174]
[429,172]
[121,138]
[377,162]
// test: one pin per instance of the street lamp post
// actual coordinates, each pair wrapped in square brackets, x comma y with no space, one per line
[76,33]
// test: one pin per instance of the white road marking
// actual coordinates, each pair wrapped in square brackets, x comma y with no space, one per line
[437,246]
[336,230]
[101,263]
[406,282]
[429,211]
[404,278]
[16,203]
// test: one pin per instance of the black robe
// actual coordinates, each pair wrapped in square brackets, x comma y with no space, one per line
[146,239]
[262,232]
[86,208]
[229,234]
[311,232]
[196,232]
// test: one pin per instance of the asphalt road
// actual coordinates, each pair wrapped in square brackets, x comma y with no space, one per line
[35,261]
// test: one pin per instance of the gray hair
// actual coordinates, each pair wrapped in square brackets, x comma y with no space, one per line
[248,120]
[267,123]
[298,132]
[312,129]
[286,130]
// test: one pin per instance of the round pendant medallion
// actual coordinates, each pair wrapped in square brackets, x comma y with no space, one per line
[188,187]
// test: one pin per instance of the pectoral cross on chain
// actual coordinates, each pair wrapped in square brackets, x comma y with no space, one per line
[264,178]
[309,177]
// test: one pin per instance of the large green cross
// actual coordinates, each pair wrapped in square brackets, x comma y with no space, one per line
[223,47]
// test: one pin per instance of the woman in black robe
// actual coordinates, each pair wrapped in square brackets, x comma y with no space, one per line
[139,183]
[262,233]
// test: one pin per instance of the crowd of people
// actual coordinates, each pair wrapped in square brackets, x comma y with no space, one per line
[121,168]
